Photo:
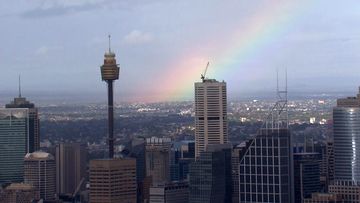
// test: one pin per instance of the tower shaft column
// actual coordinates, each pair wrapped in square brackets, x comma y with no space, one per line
[110,118]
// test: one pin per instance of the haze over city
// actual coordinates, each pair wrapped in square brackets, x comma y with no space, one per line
[163,46]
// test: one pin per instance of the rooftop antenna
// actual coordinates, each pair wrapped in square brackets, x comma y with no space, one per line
[109,43]
[204,74]
[19,86]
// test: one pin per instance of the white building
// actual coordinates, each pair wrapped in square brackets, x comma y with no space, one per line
[210,114]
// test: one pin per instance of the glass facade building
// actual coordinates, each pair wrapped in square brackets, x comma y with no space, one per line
[306,175]
[210,176]
[265,169]
[14,125]
[34,122]
[346,118]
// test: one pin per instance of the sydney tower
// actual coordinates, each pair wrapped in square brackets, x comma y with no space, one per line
[109,73]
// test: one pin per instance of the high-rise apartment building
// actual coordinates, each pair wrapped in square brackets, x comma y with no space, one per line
[113,180]
[210,114]
[210,175]
[13,143]
[71,161]
[265,170]
[157,158]
[39,171]
[33,140]
[346,118]
[306,175]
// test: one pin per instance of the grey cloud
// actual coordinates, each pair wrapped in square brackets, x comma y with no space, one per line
[61,9]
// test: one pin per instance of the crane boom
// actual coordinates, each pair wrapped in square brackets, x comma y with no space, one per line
[203,75]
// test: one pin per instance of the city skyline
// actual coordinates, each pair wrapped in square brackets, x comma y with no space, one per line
[245,43]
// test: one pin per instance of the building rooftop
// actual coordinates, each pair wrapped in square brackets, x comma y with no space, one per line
[20,186]
[39,155]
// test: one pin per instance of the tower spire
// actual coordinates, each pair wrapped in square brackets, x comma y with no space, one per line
[109,43]
[19,86]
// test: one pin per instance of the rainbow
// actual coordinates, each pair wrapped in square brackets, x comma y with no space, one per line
[268,24]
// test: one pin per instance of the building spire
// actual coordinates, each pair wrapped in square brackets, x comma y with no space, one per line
[109,43]
[19,86]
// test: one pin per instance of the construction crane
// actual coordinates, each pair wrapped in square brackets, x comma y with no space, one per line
[203,75]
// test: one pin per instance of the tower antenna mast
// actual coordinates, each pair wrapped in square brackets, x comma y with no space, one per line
[19,86]
[109,43]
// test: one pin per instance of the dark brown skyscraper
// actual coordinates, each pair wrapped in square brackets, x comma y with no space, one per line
[70,167]
[109,73]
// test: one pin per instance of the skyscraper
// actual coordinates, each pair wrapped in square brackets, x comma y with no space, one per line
[210,114]
[39,170]
[306,175]
[265,169]
[34,124]
[113,181]
[346,116]
[13,143]
[71,161]
[158,159]
[210,176]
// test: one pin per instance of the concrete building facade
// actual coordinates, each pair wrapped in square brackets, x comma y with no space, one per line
[113,181]
[210,114]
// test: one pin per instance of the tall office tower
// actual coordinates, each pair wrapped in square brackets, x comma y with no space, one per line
[210,175]
[71,159]
[137,151]
[113,181]
[110,73]
[346,118]
[330,162]
[210,114]
[33,142]
[188,150]
[235,154]
[158,159]
[40,171]
[306,175]
[13,142]
[20,193]
[266,168]
[173,192]
[323,163]
[175,156]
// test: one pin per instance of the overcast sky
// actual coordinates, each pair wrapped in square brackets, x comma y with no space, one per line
[58,45]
